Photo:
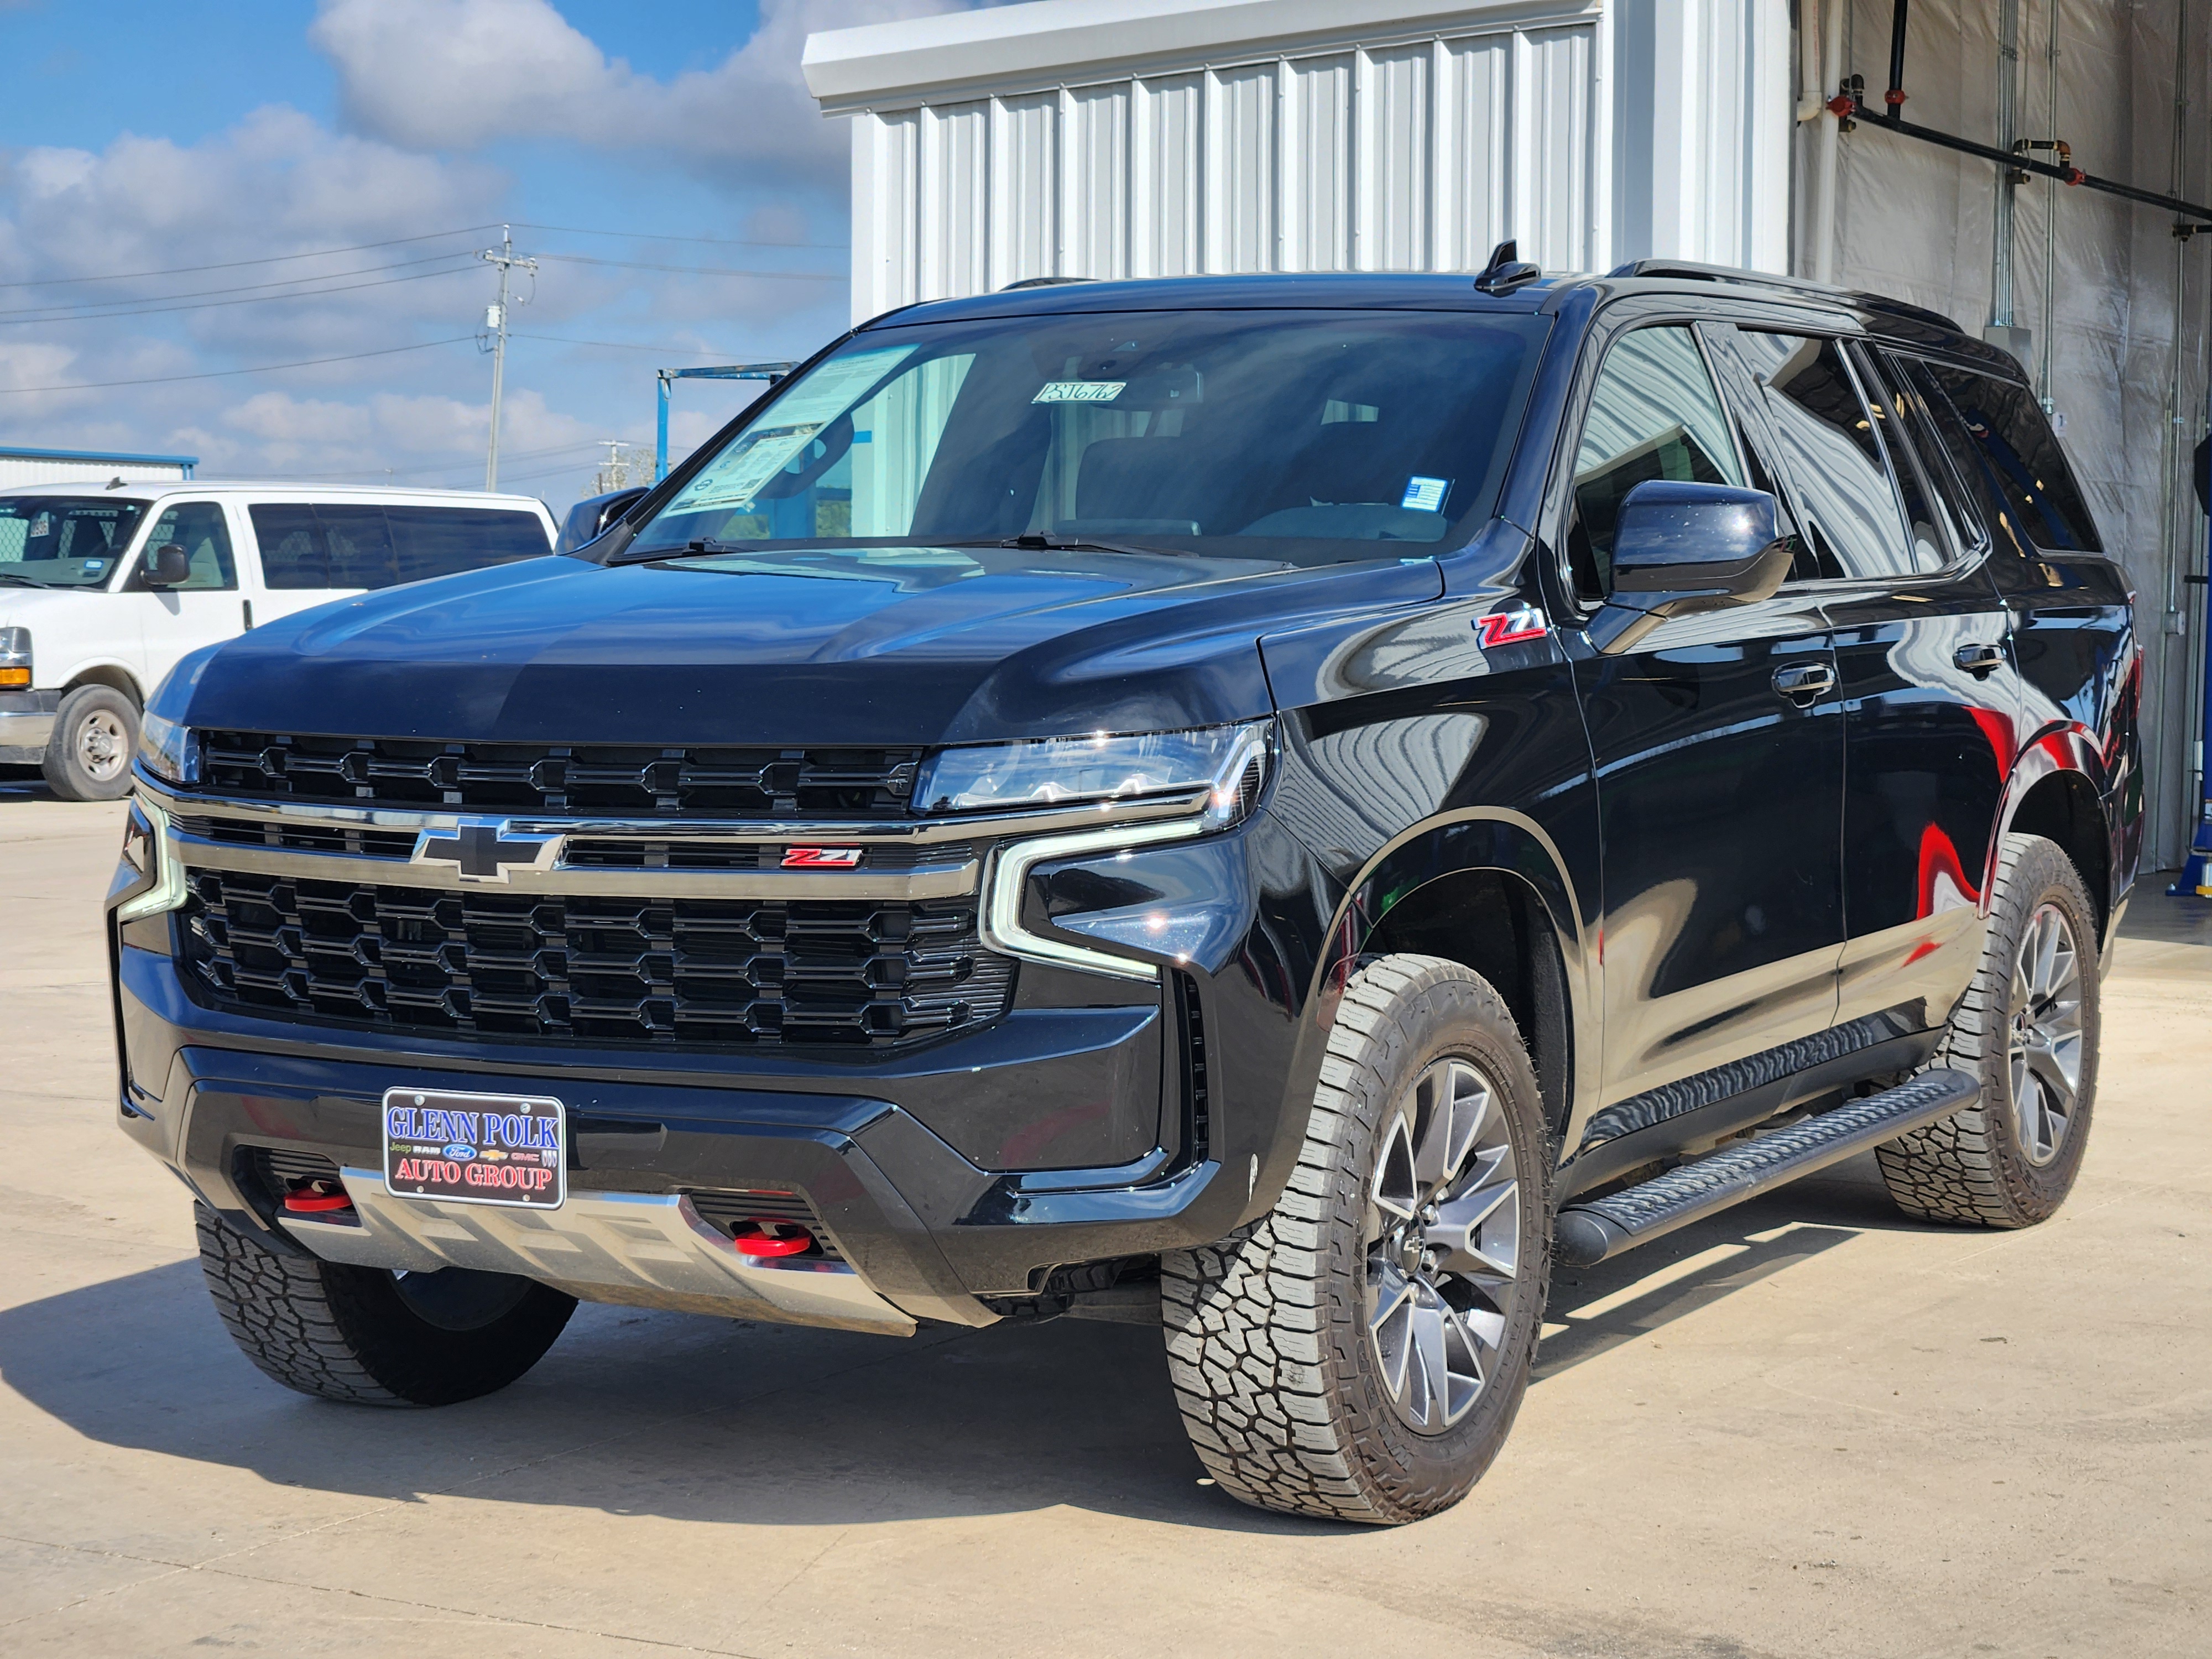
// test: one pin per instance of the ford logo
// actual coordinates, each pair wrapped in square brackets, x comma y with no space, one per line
[459,1153]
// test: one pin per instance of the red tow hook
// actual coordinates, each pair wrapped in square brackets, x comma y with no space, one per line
[761,1237]
[316,1198]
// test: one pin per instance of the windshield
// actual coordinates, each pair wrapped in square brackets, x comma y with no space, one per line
[1302,437]
[64,541]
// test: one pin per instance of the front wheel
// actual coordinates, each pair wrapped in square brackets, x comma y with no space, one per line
[1360,1353]
[2027,1028]
[88,756]
[370,1337]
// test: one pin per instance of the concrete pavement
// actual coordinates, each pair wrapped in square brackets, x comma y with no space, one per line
[1809,1427]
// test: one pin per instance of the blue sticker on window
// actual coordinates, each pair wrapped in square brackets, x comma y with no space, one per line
[91,565]
[1426,495]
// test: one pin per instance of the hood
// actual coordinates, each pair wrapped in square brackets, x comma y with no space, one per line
[862,647]
[21,607]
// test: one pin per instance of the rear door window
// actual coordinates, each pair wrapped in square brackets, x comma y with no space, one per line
[1936,541]
[292,553]
[1654,414]
[1826,441]
[2009,444]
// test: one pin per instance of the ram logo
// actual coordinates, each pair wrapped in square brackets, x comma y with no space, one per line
[1510,627]
[821,858]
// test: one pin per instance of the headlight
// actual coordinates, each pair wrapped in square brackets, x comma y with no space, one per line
[1230,763]
[14,659]
[169,749]
[151,881]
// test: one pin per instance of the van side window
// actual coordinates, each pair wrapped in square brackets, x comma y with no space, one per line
[1829,448]
[439,541]
[348,546]
[1654,413]
[2017,454]
[198,528]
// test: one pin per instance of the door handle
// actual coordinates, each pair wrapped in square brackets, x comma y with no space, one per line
[1980,658]
[1805,684]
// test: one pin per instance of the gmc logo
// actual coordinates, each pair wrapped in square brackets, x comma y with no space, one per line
[821,858]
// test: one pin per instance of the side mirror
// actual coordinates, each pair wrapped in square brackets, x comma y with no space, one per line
[1682,549]
[165,566]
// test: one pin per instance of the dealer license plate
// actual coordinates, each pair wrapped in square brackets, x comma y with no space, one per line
[475,1149]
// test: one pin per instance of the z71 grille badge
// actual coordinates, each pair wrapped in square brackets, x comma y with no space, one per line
[484,851]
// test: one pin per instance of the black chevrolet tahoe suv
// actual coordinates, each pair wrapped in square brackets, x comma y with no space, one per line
[1280,805]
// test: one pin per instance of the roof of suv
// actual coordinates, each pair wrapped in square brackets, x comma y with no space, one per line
[287,490]
[1426,291]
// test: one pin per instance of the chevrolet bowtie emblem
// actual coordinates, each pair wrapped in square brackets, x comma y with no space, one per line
[482,850]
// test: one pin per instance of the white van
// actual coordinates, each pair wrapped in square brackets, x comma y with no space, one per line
[102,590]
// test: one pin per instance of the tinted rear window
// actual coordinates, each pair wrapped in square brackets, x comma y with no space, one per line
[2001,433]
[310,546]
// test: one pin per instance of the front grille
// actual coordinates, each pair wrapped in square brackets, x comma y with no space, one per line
[598,852]
[300,837]
[600,969]
[556,778]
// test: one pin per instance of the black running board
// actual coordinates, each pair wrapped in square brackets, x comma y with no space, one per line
[1591,1231]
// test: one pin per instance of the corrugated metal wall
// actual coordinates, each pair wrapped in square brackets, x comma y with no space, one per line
[18,470]
[1417,156]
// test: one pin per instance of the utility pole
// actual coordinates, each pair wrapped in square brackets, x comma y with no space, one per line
[496,320]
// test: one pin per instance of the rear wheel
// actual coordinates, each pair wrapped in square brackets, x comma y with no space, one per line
[371,1337]
[2027,1028]
[96,734]
[1360,1353]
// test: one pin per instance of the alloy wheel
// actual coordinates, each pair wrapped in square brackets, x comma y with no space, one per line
[1442,1245]
[102,745]
[2044,1035]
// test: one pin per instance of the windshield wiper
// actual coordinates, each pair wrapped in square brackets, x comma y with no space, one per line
[1033,542]
[690,550]
[19,581]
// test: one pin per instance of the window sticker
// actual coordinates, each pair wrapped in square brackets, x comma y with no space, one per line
[735,476]
[1080,392]
[1426,495]
[91,565]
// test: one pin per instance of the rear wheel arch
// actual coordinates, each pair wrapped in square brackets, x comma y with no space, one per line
[2062,805]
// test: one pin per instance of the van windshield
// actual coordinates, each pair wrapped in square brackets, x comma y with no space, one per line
[64,541]
[1299,437]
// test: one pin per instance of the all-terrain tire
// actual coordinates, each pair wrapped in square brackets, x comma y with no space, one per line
[88,756]
[361,1336]
[1268,1346]
[1971,1167]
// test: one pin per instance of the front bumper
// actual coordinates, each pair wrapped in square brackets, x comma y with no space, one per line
[26,726]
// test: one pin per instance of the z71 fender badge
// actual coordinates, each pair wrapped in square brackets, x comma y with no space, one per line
[1510,627]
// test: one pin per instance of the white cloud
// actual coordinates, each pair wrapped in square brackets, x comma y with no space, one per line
[455,74]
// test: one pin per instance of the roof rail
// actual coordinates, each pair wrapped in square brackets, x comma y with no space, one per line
[1693,269]
[1044,282]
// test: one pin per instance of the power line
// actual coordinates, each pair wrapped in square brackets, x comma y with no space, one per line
[220,373]
[442,466]
[657,236]
[699,270]
[207,304]
[234,265]
[101,307]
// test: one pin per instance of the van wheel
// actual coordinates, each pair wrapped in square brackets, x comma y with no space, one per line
[88,756]
[370,1337]
[2027,1029]
[1360,1353]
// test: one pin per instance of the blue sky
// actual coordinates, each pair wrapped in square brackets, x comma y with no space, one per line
[675,136]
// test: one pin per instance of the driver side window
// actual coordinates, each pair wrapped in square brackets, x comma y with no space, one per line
[1655,413]
[198,528]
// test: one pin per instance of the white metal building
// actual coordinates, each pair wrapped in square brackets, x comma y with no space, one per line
[33,465]
[1165,137]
